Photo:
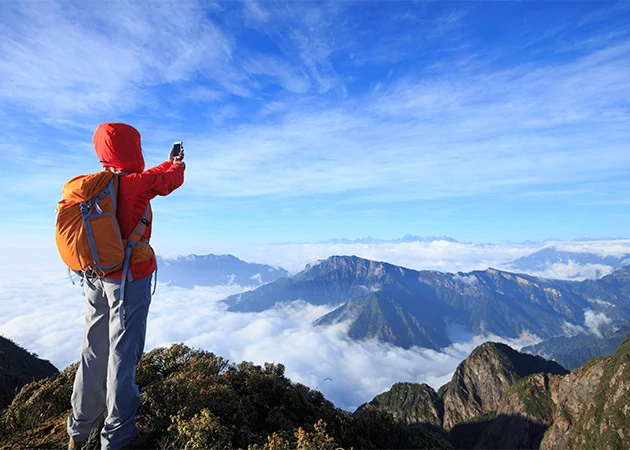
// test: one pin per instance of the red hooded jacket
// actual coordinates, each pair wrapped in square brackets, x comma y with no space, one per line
[118,147]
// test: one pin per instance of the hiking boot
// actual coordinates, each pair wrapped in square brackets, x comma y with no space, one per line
[74,445]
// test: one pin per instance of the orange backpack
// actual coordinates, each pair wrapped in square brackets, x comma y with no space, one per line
[87,231]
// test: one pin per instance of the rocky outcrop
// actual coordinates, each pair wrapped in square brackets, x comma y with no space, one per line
[593,405]
[415,404]
[481,380]
[17,368]
[569,397]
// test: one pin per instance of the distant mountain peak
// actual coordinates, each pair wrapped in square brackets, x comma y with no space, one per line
[355,265]
[211,270]
[601,261]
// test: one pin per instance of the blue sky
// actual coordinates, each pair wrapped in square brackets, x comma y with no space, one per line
[304,121]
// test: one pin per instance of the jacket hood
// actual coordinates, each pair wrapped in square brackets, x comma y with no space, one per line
[118,145]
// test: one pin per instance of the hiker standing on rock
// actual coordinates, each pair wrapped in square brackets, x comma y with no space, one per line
[118,303]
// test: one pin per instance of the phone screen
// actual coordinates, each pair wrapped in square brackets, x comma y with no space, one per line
[177,147]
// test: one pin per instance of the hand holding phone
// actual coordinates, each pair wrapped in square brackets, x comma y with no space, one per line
[177,152]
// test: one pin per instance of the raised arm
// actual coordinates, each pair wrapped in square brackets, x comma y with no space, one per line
[163,182]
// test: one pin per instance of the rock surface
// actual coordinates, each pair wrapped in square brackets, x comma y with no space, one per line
[481,380]
[593,405]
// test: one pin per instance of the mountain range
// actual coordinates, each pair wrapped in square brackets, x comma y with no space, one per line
[409,308]
[213,270]
[545,258]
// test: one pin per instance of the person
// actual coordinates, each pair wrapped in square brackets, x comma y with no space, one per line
[115,331]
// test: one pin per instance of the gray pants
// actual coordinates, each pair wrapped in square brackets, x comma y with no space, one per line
[111,349]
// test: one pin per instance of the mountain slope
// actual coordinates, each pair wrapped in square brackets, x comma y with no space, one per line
[587,408]
[604,421]
[572,351]
[393,315]
[569,396]
[212,270]
[17,368]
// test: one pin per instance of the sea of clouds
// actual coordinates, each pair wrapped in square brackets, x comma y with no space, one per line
[42,311]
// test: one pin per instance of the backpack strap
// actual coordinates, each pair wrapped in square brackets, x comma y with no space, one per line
[134,238]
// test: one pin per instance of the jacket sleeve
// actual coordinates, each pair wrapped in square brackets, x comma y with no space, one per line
[160,169]
[162,179]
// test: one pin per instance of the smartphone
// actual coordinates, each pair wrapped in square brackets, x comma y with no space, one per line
[177,147]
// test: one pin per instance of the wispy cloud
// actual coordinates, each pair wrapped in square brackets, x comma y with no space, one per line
[73,59]
[595,321]
[498,133]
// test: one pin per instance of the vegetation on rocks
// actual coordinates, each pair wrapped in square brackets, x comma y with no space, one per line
[193,399]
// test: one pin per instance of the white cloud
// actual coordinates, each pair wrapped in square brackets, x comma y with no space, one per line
[471,280]
[594,321]
[286,75]
[529,130]
[438,255]
[574,271]
[42,311]
[429,139]
[571,329]
[619,247]
[69,59]
[255,11]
